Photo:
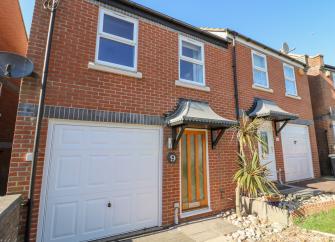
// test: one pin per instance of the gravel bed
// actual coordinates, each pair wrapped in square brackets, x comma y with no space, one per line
[292,203]
[253,229]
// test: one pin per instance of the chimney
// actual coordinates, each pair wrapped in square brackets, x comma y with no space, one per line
[316,61]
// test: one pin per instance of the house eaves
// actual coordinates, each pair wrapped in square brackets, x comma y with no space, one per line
[229,34]
[155,16]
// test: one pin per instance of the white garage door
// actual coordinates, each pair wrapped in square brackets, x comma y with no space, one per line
[100,181]
[297,152]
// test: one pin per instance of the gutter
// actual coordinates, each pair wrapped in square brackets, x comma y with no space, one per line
[265,47]
[155,16]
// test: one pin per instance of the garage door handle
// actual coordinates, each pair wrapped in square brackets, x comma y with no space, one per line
[109,204]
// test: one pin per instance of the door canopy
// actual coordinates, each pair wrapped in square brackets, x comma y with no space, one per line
[271,111]
[197,114]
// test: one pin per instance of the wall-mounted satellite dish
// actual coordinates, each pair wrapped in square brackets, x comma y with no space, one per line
[15,66]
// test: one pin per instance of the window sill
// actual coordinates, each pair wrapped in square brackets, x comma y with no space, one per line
[262,88]
[99,67]
[192,86]
[292,96]
[195,212]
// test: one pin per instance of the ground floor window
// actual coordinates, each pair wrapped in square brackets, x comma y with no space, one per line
[194,169]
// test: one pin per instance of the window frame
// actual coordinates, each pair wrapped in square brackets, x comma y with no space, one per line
[265,69]
[333,77]
[290,79]
[101,33]
[191,60]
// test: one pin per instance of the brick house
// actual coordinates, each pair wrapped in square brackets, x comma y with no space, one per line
[134,138]
[265,75]
[13,38]
[321,83]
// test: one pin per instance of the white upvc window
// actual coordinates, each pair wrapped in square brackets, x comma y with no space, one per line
[333,76]
[260,70]
[117,40]
[290,82]
[191,61]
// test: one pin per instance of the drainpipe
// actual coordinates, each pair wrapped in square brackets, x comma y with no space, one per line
[237,105]
[52,6]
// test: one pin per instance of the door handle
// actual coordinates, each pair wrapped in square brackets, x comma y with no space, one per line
[109,204]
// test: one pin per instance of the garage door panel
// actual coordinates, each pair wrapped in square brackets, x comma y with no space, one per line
[97,175]
[67,175]
[297,152]
[101,165]
[71,136]
[95,215]
[61,229]
[122,210]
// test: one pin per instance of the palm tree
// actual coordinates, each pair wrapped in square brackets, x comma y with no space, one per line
[252,177]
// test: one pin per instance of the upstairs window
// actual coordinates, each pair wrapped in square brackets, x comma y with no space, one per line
[117,41]
[333,75]
[290,83]
[191,61]
[260,72]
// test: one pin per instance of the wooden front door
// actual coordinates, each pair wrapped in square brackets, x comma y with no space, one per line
[194,169]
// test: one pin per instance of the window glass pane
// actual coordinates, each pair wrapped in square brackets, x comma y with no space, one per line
[191,72]
[119,27]
[200,167]
[116,52]
[184,169]
[334,78]
[191,50]
[259,61]
[193,182]
[290,87]
[264,146]
[289,73]
[260,78]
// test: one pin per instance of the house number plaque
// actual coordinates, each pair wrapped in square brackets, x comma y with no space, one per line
[172,157]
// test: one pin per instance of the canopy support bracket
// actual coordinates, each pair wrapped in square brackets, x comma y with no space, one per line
[177,136]
[281,127]
[216,137]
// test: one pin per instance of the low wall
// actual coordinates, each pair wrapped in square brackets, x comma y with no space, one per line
[279,215]
[266,212]
[9,217]
[314,208]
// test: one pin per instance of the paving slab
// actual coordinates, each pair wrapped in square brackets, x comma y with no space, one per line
[208,230]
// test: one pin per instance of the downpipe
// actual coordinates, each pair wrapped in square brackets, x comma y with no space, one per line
[40,112]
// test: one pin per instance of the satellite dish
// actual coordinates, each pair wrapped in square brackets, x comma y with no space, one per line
[286,48]
[15,66]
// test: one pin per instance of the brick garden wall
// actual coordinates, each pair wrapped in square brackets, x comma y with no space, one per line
[10,218]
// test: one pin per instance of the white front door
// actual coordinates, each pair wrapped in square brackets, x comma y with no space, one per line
[267,152]
[297,152]
[100,181]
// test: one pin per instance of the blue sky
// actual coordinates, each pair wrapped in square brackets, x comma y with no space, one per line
[307,26]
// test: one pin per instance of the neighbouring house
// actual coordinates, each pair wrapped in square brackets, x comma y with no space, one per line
[137,106]
[273,85]
[13,38]
[322,85]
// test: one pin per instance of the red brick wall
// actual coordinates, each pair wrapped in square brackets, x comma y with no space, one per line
[72,84]
[13,38]
[322,97]
[277,84]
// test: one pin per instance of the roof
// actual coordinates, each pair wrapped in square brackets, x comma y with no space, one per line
[191,112]
[155,16]
[235,33]
[269,109]
[329,67]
